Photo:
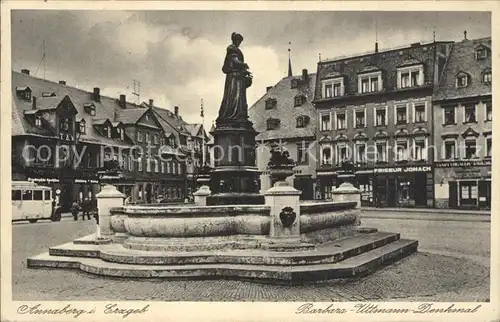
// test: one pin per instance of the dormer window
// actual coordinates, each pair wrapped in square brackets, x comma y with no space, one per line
[82,126]
[369,83]
[109,131]
[294,83]
[64,124]
[411,76]
[172,141]
[481,52]
[462,80]
[299,100]
[140,136]
[155,139]
[122,134]
[273,124]
[38,121]
[89,108]
[271,103]
[302,121]
[24,93]
[486,76]
[333,87]
[48,94]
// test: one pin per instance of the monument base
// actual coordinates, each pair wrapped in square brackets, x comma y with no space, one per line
[235,198]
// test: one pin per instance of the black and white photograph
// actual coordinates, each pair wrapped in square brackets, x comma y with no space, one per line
[335,160]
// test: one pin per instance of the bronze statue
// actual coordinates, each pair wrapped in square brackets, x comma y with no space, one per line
[238,79]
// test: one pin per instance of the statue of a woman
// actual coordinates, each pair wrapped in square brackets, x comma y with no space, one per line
[238,78]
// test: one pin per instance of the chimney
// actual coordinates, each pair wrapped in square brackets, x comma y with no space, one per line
[97,94]
[376,47]
[176,110]
[25,71]
[150,102]
[34,102]
[268,88]
[62,82]
[305,75]
[122,101]
[465,34]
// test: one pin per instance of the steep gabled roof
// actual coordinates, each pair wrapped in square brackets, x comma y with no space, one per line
[463,58]
[129,116]
[285,110]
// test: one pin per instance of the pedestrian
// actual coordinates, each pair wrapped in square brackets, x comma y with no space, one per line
[86,209]
[74,210]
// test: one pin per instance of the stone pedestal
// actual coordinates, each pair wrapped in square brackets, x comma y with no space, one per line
[235,179]
[347,192]
[108,198]
[284,204]
[200,196]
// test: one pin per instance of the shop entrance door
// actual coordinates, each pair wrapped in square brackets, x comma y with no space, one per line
[420,190]
[391,192]
[484,194]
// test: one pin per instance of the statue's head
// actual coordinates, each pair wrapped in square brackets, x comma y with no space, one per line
[236,38]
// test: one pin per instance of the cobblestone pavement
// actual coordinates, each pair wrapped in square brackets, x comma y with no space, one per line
[423,276]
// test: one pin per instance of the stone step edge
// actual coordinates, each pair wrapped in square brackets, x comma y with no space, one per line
[366,263]
[206,258]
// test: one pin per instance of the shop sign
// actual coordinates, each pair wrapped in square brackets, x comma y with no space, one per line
[86,181]
[403,169]
[44,180]
[462,163]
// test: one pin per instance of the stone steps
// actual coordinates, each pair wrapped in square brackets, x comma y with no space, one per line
[330,252]
[358,265]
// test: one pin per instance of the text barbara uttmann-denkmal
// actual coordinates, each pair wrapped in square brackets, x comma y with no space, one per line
[371,308]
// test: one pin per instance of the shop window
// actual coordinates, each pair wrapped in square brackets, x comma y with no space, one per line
[360,119]
[420,113]
[302,153]
[380,119]
[449,150]
[470,148]
[401,115]
[381,152]
[449,115]
[488,147]
[489,111]
[326,156]
[341,121]
[402,150]
[468,192]
[470,113]
[325,122]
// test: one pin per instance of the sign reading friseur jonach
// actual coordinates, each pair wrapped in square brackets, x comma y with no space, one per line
[403,169]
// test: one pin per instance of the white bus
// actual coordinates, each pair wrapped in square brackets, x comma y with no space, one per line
[31,202]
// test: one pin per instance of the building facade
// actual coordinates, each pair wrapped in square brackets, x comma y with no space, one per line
[463,114]
[74,141]
[286,121]
[376,111]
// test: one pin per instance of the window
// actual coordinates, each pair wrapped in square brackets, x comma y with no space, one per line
[333,88]
[401,150]
[419,150]
[16,195]
[122,134]
[481,53]
[450,151]
[109,131]
[420,113]
[487,76]
[147,118]
[489,111]
[139,136]
[337,89]
[360,152]
[294,83]
[468,192]
[299,100]
[302,155]
[64,124]
[302,121]
[380,117]
[360,119]
[27,95]
[179,168]
[163,167]
[147,137]
[156,166]
[155,139]
[270,103]
[410,77]
[488,147]
[462,80]
[38,121]
[365,85]
[341,152]
[82,126]
[401,117]
[174,167]
[46,195]
[470,113]
[325,122]
[172,141]
[405,80]
[326,156]
[449,115]
[37,195]
[470,148]
[273,124]
[328,92]
[27,195]
[139,164]
[130,163]
[341,121]
[381,151]
[369,83]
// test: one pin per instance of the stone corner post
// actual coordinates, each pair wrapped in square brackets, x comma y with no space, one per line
[200,196]
[108,198]
[284,203]
[347,192]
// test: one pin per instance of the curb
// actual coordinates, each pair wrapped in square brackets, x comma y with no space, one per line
[429,211]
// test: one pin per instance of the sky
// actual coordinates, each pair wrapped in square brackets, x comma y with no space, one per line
[177,56]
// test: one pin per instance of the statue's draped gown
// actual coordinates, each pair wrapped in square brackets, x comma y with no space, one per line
[234,103]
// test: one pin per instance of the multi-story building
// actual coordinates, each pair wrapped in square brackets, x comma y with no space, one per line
[375,109]
[286,120]
[73,141]
[463,127]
